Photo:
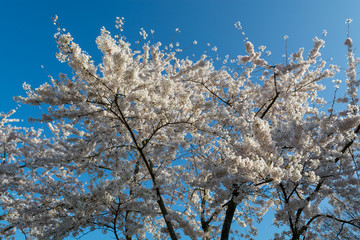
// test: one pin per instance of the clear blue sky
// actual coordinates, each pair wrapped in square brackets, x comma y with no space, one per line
[27,31]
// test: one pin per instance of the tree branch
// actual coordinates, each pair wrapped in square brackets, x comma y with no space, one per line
[160,201]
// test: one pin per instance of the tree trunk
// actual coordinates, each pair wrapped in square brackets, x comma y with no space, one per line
[228,220]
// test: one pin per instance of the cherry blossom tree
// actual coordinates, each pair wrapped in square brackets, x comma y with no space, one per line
[148,145]
[16,183]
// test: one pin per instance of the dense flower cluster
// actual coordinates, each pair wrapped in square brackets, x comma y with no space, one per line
[146,143]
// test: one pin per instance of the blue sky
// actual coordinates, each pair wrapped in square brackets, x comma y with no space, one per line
[27,32]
